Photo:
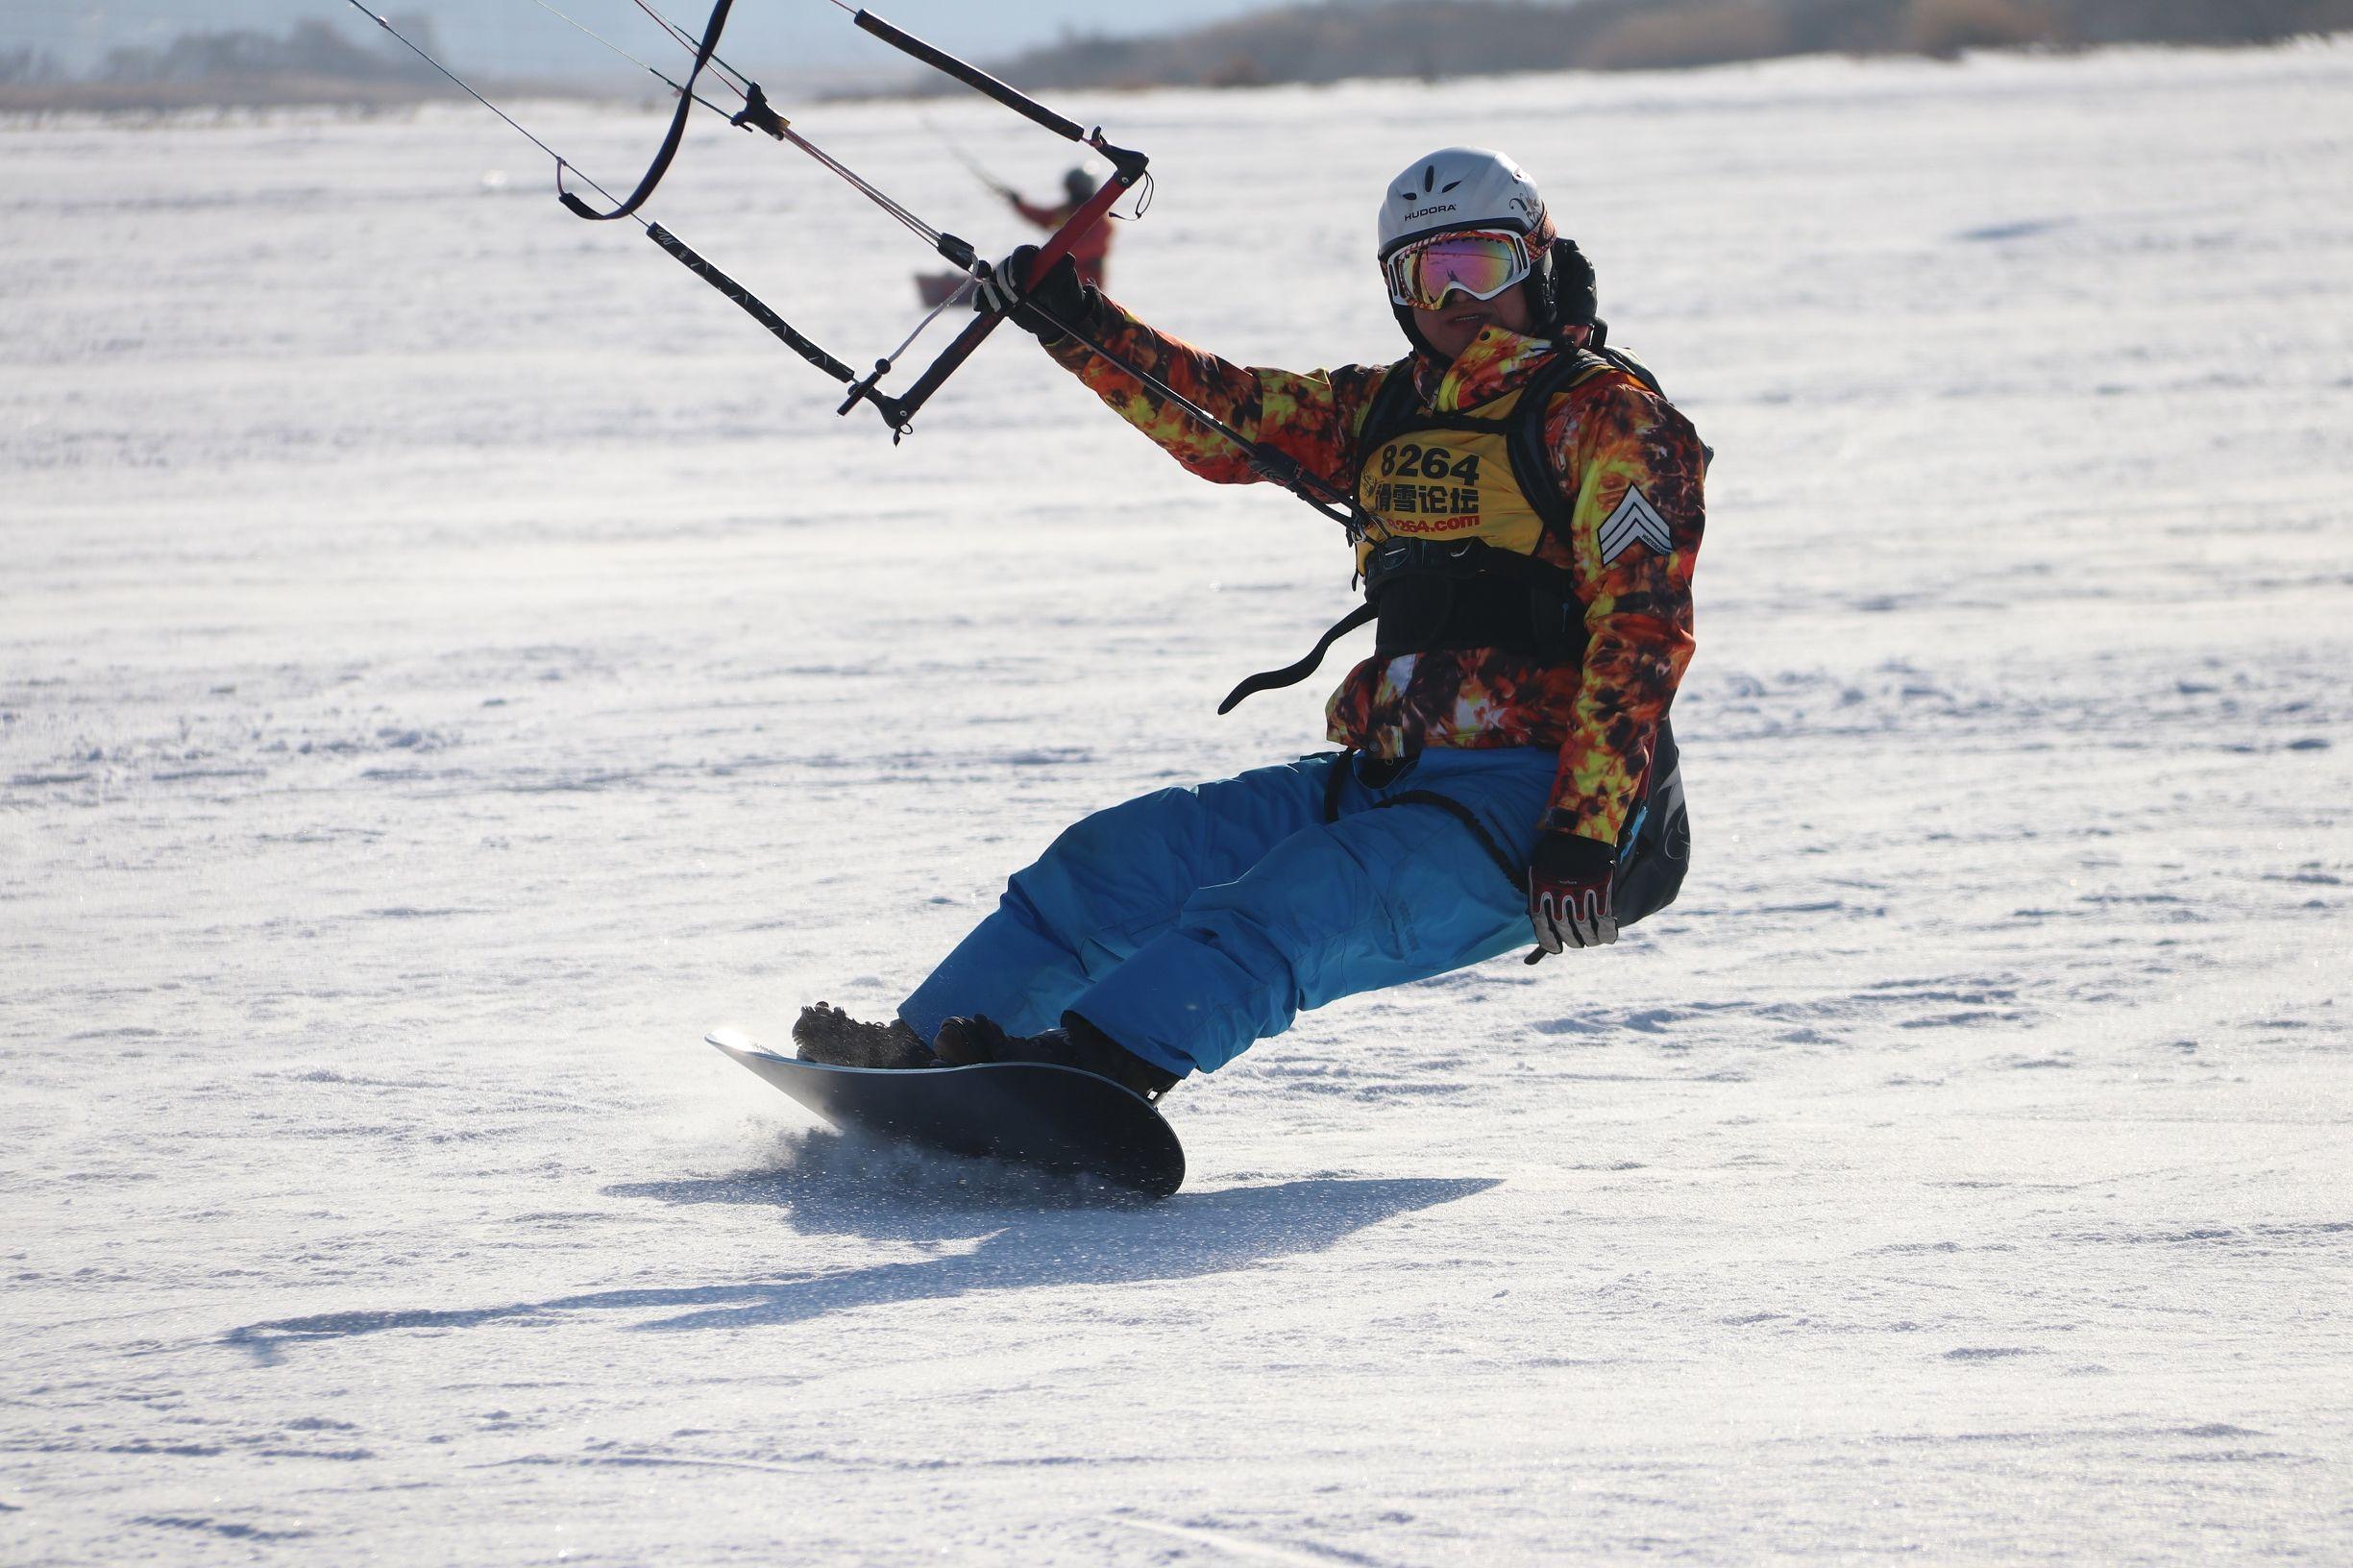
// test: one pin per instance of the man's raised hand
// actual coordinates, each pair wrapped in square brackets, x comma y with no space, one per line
[1059,297]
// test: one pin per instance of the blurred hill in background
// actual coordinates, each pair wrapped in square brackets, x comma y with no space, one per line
[1436,39]
[315,63]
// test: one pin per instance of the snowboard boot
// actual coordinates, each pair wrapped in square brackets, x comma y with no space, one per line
[965,1042]
[827,1035]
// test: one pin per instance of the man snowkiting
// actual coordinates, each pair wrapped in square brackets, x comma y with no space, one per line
[1532,509]
[1089,252]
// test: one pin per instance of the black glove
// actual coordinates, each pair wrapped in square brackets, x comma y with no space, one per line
[1568,893]
[1059,294]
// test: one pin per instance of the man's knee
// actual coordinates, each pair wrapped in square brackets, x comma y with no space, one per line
[1106,871]
[1114,834]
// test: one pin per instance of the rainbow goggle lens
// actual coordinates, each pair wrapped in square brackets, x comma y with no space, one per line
[1480,262]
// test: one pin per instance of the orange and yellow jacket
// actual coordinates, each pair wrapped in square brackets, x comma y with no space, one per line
[1629,467]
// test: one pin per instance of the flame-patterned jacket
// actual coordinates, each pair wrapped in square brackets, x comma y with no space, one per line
[1618,450]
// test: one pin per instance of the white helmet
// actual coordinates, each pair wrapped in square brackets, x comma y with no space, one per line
[1461,188]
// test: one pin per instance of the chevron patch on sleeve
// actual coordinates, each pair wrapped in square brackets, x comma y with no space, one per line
[1636,522]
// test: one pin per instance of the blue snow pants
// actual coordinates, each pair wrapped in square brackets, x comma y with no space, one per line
[1189,922]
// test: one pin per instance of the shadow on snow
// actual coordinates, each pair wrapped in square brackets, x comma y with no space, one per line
[1033,1231]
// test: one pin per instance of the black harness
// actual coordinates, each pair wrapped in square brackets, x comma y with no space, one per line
[1423,596]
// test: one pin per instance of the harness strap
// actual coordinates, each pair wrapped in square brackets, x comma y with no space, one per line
[1335,781]
[1458,560]
[1531,461]
[1516,875]
[1633,366]
[1652,853]
[1384,770]
[1389,407]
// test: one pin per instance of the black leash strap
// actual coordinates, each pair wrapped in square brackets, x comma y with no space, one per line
[1293,673]
[661,165]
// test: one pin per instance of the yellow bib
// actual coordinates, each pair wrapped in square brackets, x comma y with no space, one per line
[1449,481]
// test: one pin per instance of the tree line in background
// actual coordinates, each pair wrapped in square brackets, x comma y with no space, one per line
[313,63]
[1439,38]
[1326,41]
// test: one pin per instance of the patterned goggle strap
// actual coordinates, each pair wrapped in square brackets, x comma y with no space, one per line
[1480,262]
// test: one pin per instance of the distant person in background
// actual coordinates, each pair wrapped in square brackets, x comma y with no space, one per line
[1088,253]
[1090,249]
[1528,510]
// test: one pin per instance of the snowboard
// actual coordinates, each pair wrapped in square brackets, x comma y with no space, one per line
[1031,1114]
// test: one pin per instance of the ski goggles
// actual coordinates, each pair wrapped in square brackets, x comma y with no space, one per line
[1480,262]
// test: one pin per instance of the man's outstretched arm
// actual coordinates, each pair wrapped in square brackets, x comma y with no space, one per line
[1310,418]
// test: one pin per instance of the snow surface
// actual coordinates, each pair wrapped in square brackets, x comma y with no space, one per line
[448,659]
